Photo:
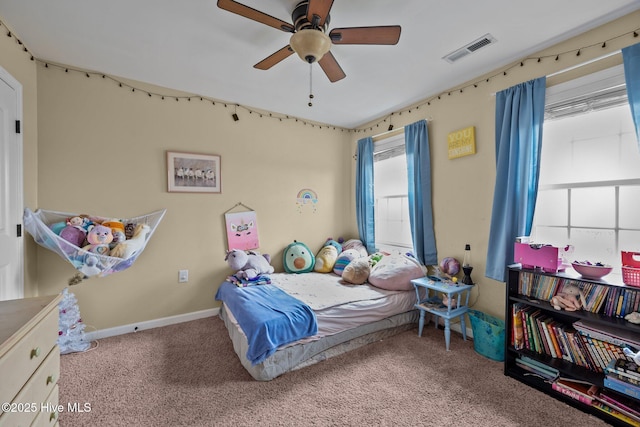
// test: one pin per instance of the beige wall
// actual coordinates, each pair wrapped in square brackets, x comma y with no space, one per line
[463,187]
[101,150]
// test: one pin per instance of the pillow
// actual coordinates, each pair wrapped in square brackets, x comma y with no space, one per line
[357,271]
[344,259]
[298,258]
[395,272]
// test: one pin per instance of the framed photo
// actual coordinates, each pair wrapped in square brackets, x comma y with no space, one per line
[193,173]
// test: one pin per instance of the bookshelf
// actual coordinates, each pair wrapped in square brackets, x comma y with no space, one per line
[544,344]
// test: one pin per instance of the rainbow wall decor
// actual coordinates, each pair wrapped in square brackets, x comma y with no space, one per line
[306,196]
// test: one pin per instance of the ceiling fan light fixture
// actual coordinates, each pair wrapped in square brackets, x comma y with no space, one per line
[310,45]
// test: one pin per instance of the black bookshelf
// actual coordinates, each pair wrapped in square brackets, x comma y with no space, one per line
[564,367]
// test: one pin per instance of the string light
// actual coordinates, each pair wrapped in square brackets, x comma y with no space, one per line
[427,102]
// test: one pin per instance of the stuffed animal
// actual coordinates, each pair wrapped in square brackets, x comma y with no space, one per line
[82,222]
[134,245]
[356,245]
[298,258]
[327,256]
[117,229]
[357,272]
[98,240]
[344,258]
[633,356]
[248,265]
[74,235]
[570,299]
[633,317]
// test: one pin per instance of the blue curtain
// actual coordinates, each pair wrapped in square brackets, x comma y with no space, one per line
[419,179]
[631,59]
[364,194]
[519,117]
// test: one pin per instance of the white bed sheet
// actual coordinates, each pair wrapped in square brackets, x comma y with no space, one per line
[339,306]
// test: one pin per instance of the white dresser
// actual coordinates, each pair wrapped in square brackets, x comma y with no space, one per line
[29,361]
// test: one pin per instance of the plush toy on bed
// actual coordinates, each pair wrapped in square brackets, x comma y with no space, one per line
[298,258]
[357,271]
[248,265]
[327,256]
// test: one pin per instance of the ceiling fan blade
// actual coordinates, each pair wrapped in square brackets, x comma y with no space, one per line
[366,35]
[331,68]
[255,15]
[319,8]
[274,58]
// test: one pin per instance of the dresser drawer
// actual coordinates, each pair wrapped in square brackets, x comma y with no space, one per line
[20,361]
[48,417]
[36,391]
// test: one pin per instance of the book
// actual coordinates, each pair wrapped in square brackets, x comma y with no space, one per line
[622,387]
[622,376]
[546,340]
[616,336]
[537,364]
[595,354]
[525,329]
[547,324]
[577,390]
[612,371]
[518,330]
[548,374]
[622,403]
[627,366]
[615,413]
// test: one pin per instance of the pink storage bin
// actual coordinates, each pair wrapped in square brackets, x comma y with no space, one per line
[631,268]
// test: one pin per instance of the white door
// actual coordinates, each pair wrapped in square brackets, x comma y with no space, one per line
[11,208]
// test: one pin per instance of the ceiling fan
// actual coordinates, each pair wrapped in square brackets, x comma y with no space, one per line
[309,40]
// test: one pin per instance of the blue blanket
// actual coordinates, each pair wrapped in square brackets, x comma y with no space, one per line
[268,316]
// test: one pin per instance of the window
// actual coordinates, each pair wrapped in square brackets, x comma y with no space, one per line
[589,192]
[392,224]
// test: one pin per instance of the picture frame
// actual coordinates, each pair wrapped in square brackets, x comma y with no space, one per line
[193,173]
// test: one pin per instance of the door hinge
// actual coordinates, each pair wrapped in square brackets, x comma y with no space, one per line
[19,230]
[17,126]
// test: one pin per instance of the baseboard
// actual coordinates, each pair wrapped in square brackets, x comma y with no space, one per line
[187,317]
[150,324]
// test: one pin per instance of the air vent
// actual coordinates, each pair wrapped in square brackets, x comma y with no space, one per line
[475,45]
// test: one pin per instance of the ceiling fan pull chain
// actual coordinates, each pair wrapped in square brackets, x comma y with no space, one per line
[310,85]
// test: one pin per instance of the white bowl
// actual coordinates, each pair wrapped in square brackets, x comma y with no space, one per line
[591,271]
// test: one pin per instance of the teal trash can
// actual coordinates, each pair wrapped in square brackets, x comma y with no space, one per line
[488,335]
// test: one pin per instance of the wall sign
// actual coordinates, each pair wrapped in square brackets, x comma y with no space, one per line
[462,142]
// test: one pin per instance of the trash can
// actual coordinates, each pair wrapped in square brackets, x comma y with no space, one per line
[488,335]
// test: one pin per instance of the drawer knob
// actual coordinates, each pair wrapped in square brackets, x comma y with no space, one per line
[35,352]
[51,379]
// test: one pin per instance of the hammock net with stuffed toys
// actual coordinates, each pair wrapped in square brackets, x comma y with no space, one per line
[94,245]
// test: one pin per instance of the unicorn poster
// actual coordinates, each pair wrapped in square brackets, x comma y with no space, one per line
[242,230]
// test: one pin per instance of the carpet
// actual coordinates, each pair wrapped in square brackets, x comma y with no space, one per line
[188,375]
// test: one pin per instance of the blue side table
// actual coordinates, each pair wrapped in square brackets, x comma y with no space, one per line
[457,303]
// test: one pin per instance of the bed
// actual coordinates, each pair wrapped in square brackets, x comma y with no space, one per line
[324,317]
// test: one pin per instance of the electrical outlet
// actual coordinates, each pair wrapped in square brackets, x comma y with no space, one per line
[183,276]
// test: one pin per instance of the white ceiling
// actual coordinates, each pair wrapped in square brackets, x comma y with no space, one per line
[194,46]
